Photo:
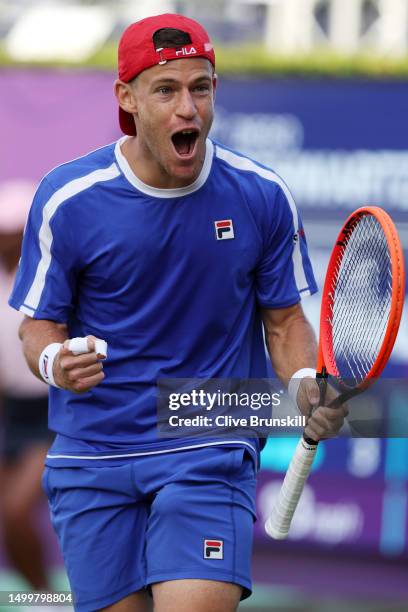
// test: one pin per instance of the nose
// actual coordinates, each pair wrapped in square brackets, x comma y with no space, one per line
[186,107]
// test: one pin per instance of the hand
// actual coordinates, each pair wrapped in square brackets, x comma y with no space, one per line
[78,373]
[323,421]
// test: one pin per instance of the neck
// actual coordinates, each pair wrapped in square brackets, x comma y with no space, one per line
[149,170]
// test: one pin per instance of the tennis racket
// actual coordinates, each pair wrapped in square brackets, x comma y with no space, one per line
[360,314]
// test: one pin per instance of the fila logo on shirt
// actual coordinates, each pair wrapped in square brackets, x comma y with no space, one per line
[224,230]
[299,234]
[213,549]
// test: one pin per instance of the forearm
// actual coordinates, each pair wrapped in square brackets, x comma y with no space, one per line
[291,344]
[35,336]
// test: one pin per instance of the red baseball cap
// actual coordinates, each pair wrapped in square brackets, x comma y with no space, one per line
[137,52]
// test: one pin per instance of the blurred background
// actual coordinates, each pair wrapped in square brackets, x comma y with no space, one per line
[316,89]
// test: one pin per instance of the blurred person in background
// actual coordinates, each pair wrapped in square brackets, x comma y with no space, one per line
[23,408]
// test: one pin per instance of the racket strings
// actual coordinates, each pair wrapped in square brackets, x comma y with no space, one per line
[361,292]
[376,326]
[363,359]
[359,363]
[369,339]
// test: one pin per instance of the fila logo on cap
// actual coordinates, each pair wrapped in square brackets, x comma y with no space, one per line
[224,230]
[186,51]
[213,549]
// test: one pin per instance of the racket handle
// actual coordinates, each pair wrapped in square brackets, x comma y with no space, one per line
[278,524]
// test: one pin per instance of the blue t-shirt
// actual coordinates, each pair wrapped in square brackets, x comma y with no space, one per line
[172,279]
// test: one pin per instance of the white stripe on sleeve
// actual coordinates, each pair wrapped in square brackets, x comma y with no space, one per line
[45,234]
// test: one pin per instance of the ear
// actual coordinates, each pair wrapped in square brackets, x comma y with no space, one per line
[214,83]
[125,96]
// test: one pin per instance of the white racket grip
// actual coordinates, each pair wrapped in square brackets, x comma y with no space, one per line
[278,524]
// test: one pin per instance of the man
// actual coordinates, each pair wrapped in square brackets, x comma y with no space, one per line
[123,245]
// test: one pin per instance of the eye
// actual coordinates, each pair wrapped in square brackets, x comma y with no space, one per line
[204,88]
[164,89]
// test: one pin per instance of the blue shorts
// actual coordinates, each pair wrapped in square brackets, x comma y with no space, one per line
[186,514]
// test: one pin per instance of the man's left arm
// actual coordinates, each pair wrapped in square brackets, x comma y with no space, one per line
[292,346]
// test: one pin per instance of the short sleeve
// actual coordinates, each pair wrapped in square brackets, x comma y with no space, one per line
[46,277]
[284,274]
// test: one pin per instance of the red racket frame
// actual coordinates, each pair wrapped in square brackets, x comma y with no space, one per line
[326,362]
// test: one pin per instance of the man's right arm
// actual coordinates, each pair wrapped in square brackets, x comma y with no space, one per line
[76,373]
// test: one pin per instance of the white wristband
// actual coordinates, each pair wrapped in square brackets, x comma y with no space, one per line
[46,363]
[294,383]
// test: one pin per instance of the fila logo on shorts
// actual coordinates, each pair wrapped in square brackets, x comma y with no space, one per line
[224,230]
[213,549]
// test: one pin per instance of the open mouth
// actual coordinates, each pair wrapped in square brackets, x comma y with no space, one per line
[184,142]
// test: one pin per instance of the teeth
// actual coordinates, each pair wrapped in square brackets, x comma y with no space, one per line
[187,131]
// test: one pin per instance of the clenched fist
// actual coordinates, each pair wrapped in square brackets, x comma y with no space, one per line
[78,373]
